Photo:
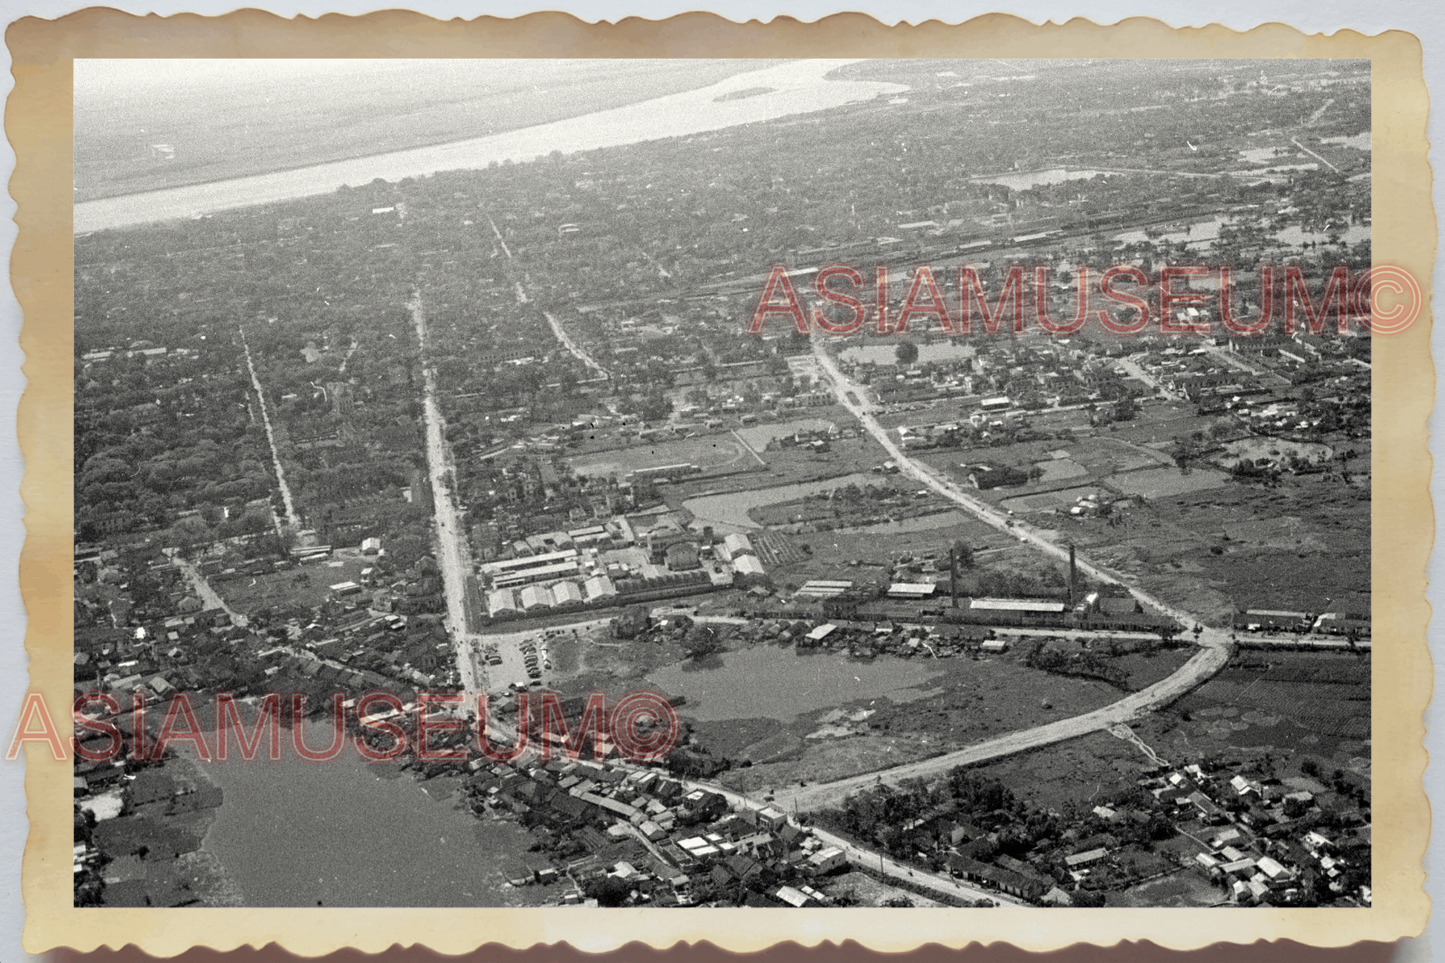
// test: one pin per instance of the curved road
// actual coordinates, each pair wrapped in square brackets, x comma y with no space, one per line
[1215,645]
[1207,661]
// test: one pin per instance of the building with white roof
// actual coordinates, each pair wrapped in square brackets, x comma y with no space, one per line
[565,592]
[502,600]
[747,565]
[1016,605]
[536,597]
[599,586]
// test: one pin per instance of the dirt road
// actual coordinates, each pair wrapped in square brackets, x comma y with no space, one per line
[1202,666]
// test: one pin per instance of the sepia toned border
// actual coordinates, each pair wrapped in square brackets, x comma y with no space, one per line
[38,124]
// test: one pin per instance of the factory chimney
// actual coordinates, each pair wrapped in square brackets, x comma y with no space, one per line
[953,574]
[1073,576]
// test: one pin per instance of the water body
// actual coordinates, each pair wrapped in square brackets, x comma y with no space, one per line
[773,682]
[728,512]
[1360,141]
[1206,232]
[938,352]
[798,87]
[349,833]
[1023,180]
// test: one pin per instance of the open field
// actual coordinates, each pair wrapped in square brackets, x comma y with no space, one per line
[714,452]
[1302,546]
[1164,482]
[871,892]
[1183,889]
[972,700]
[862,556]
[758,436]
[305,585]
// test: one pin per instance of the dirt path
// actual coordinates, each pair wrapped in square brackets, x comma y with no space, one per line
[292,519]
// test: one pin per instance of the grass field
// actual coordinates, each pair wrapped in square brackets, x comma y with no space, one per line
[711,453]
[306,585]
[1164,482]
[1304,545]
[1328,694]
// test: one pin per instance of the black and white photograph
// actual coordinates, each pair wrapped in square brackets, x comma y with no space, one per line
[651,483]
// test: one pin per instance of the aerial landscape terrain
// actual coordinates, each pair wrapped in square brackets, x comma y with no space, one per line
[970,460]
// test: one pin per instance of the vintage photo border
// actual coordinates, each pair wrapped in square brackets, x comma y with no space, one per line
[38,123]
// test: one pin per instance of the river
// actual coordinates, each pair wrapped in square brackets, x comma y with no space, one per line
[798,87]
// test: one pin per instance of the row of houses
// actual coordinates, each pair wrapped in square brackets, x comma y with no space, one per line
[668,843]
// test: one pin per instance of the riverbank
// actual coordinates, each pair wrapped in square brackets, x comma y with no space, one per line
[800,88]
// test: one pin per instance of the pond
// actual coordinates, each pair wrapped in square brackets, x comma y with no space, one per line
[1023,180]
[350,833]
[769,681]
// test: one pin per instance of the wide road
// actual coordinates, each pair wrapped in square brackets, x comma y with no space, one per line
[453,552]
[1207,661]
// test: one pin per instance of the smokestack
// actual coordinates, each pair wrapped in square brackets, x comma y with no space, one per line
[1073,575]
[953,574]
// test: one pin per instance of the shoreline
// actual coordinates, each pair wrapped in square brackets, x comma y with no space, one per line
[609,128]
[342,156]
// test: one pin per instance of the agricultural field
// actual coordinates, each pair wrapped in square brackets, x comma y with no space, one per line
[1166,482]
[1047,501]
[1304,545]
[1324,693]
